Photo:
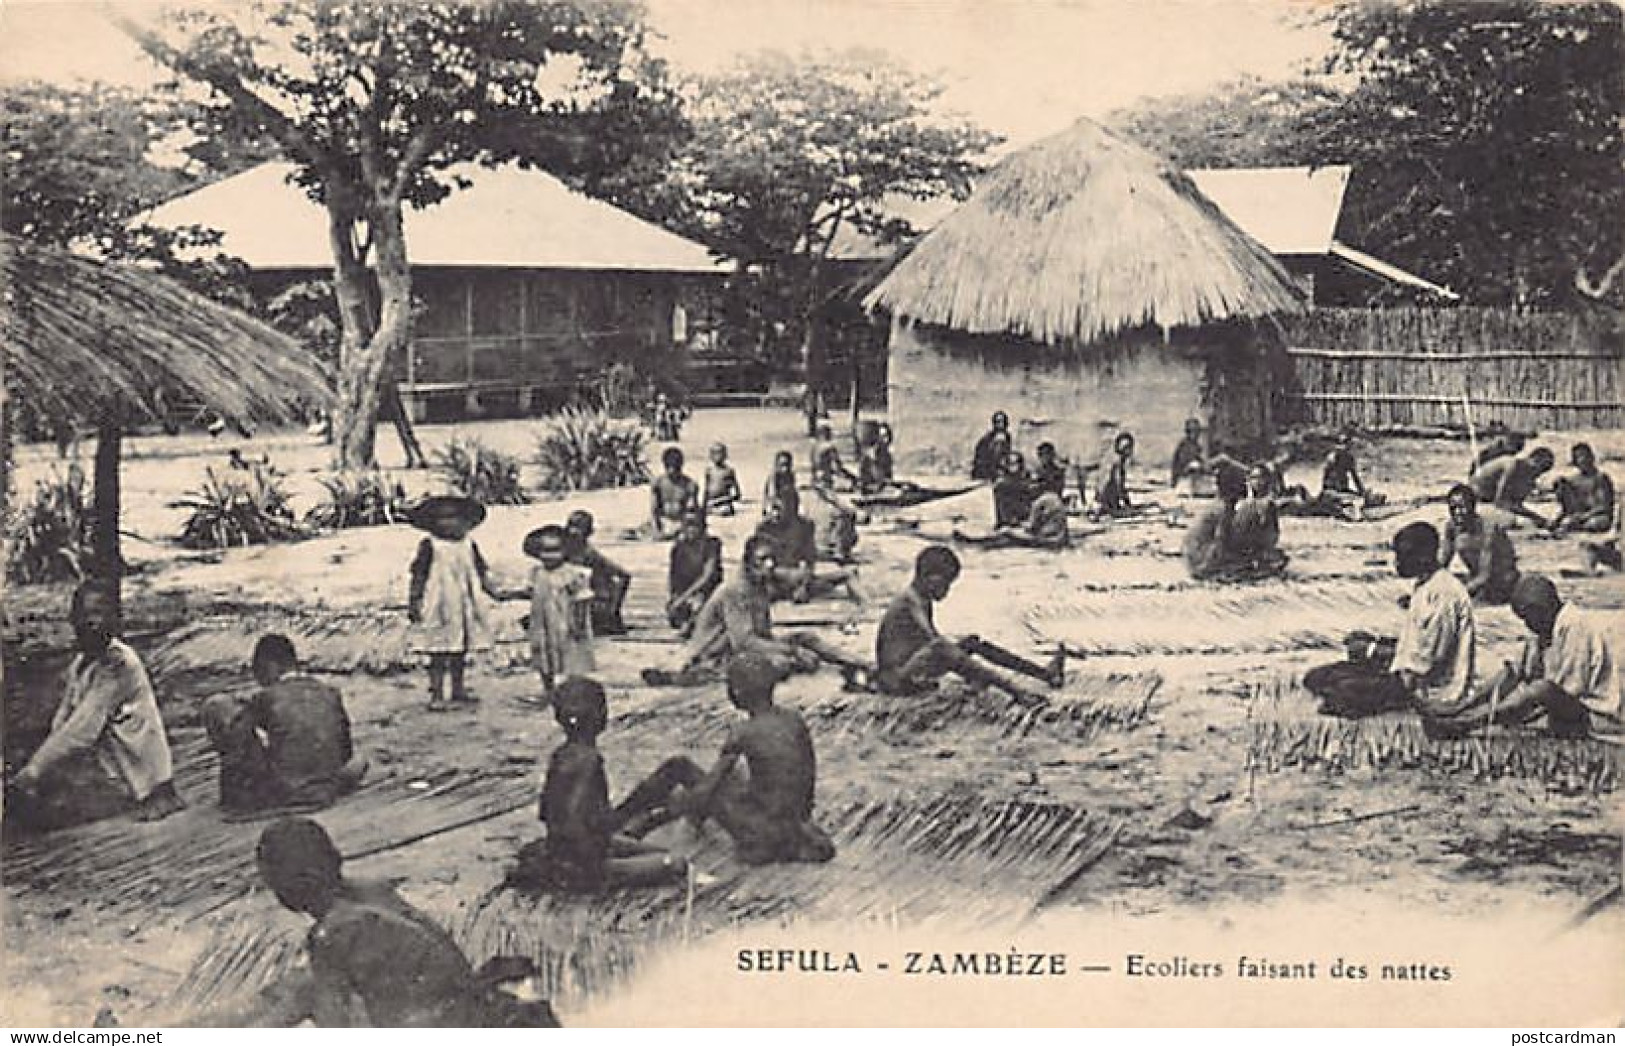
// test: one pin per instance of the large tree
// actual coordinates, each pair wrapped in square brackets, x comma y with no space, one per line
[1484,136]
[375,100]
[1487,135]
[787,152]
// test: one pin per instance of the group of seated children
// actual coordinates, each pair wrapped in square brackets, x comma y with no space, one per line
[1571,672]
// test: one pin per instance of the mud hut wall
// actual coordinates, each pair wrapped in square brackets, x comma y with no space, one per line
[543,328]
[1413,366]
[942,388]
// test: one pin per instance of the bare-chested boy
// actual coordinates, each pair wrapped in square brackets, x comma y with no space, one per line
[1506,481]
[912,655]
[374,959]
[591,845]
[1586,495]
[765,806]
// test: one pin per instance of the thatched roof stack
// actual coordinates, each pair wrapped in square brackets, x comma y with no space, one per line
[83,338]
[1081,237]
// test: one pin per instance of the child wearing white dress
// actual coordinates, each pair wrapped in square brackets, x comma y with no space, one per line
[450,591]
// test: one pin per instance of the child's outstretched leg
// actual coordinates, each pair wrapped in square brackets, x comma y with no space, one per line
[437,682]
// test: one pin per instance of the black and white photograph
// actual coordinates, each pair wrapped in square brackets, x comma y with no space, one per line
[812,513]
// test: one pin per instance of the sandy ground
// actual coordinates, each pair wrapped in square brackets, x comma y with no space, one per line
[1207,832]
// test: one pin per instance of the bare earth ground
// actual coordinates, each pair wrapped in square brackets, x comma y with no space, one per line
[1183,808]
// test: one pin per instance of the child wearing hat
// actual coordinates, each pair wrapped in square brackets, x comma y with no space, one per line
[450,587]
[560,609]
[591,845]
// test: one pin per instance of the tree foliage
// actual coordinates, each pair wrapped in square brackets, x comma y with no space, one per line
[787,152]
[376,102]
[1485,139]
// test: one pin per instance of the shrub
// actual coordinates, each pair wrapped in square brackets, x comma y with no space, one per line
[50,536]
[238,508]
[584,449]
[358,499]
[476,471]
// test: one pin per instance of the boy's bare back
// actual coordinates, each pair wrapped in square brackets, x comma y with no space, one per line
[783,769]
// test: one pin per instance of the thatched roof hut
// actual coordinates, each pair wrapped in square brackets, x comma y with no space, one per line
[88,344]
[1086,283]
[85,340]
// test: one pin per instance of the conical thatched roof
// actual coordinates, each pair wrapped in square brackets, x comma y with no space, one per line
[83,337]
[1080,237]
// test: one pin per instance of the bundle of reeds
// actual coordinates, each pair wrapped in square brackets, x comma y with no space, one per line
[1286,731]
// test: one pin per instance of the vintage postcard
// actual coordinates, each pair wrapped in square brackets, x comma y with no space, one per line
[812,513]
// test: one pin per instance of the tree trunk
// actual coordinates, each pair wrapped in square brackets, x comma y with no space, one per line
[361,384]
[106,558]
[372,340]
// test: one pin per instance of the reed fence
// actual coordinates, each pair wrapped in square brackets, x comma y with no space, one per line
[1381,368]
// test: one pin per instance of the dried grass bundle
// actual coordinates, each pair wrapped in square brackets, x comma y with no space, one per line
[1286,731]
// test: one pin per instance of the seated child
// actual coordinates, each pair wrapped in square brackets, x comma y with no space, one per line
[1188,456]
[1050,472]
[671,495]
[609,580]
[1012,492]
[781,488]
[1507,481]
[722,492]
[1113,499]
[829,470]
[288,745]
[1586,495]
[696,571]
[1044,527]
[375,961]
[765,806]
[911,655]
[590,845]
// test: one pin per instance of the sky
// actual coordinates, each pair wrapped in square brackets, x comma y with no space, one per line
[1021,68]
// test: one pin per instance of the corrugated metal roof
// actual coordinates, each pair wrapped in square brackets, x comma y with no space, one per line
[507,217]
[1290,210]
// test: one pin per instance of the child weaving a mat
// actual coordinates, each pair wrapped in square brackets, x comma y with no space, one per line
[766,806]
[590,845]
[449,589]
[375,961]
[560,623]
[1430,666]
[695,572]
[912,655]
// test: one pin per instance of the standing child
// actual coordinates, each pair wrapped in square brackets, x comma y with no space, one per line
[560,610]
[722,491]
[1114,499]
[449,589]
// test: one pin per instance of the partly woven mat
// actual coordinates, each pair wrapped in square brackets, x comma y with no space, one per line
[372,642]
[1287,731]
[1261,617]
[195,862]
[1088,704]
[897,860]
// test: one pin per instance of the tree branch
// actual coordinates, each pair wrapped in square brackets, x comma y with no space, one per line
[277,124]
